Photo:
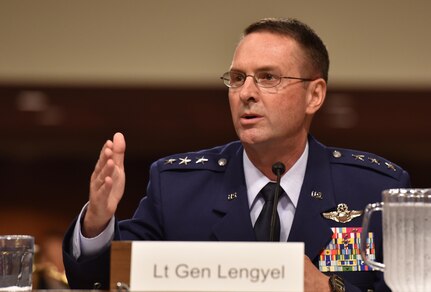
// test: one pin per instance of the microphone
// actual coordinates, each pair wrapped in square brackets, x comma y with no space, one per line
[278,169]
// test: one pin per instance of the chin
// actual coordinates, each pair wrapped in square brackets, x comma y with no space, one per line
[253,136]
[252,140]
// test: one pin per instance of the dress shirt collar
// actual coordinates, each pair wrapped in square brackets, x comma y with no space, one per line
[291,181]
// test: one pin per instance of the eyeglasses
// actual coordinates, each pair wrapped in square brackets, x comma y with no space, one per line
[235,79]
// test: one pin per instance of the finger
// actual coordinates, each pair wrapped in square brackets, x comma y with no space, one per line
[96,184]
[118,148]
[103,192]
[105,154]
[99,178]
[100,169]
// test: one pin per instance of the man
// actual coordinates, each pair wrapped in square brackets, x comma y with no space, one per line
[277,82]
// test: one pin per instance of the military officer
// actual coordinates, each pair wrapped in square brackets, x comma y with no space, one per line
[277,82]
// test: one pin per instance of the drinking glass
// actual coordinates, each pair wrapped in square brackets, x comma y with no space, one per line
[16,262]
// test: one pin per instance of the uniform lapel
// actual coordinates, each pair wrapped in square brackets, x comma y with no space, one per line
[232,204]
[309,226]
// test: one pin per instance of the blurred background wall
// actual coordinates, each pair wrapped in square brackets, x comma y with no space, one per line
[190,42]
[74,72]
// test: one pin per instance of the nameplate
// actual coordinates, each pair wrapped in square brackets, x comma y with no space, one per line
[217,266]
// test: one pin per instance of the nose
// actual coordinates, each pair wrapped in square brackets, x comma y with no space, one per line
[249,91]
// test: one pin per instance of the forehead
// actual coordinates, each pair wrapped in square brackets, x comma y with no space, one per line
[266,50]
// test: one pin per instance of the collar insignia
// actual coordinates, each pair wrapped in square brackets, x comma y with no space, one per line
[317,195]
[232,196]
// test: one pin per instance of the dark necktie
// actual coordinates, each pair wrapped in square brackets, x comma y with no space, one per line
[262,227]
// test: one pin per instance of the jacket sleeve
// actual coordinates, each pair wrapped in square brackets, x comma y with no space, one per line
[86,272]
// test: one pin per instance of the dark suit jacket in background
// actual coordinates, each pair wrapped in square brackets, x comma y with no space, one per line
[188,201]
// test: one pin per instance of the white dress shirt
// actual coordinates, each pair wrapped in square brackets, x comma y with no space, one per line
[291,182]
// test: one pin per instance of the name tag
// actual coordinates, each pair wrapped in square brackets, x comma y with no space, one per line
[216,266]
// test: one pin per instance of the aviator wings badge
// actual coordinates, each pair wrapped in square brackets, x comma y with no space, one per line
[343,214]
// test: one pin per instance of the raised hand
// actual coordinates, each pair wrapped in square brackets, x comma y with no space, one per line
[106,186]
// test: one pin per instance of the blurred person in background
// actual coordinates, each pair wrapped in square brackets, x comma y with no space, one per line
[48,267]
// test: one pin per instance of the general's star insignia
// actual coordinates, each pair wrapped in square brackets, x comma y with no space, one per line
[170,161]
[185,160]
[374,160]
[201,160]
[358,157]
[343,214]
[390,166]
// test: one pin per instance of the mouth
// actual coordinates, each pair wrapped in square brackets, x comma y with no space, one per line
[250,117]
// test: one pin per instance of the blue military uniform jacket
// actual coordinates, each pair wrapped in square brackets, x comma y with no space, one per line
[202,196]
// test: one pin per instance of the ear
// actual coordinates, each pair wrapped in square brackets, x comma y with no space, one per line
[316,93]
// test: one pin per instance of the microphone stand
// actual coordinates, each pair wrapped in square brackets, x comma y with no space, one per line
[278,169]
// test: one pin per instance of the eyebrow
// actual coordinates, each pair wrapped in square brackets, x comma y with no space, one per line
[260,69]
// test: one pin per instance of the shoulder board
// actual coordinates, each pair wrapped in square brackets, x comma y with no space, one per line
[366,160]
[194,161]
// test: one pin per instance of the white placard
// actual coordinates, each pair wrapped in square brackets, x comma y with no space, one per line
[217,266]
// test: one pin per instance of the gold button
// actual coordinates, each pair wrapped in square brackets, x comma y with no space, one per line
[222,161]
